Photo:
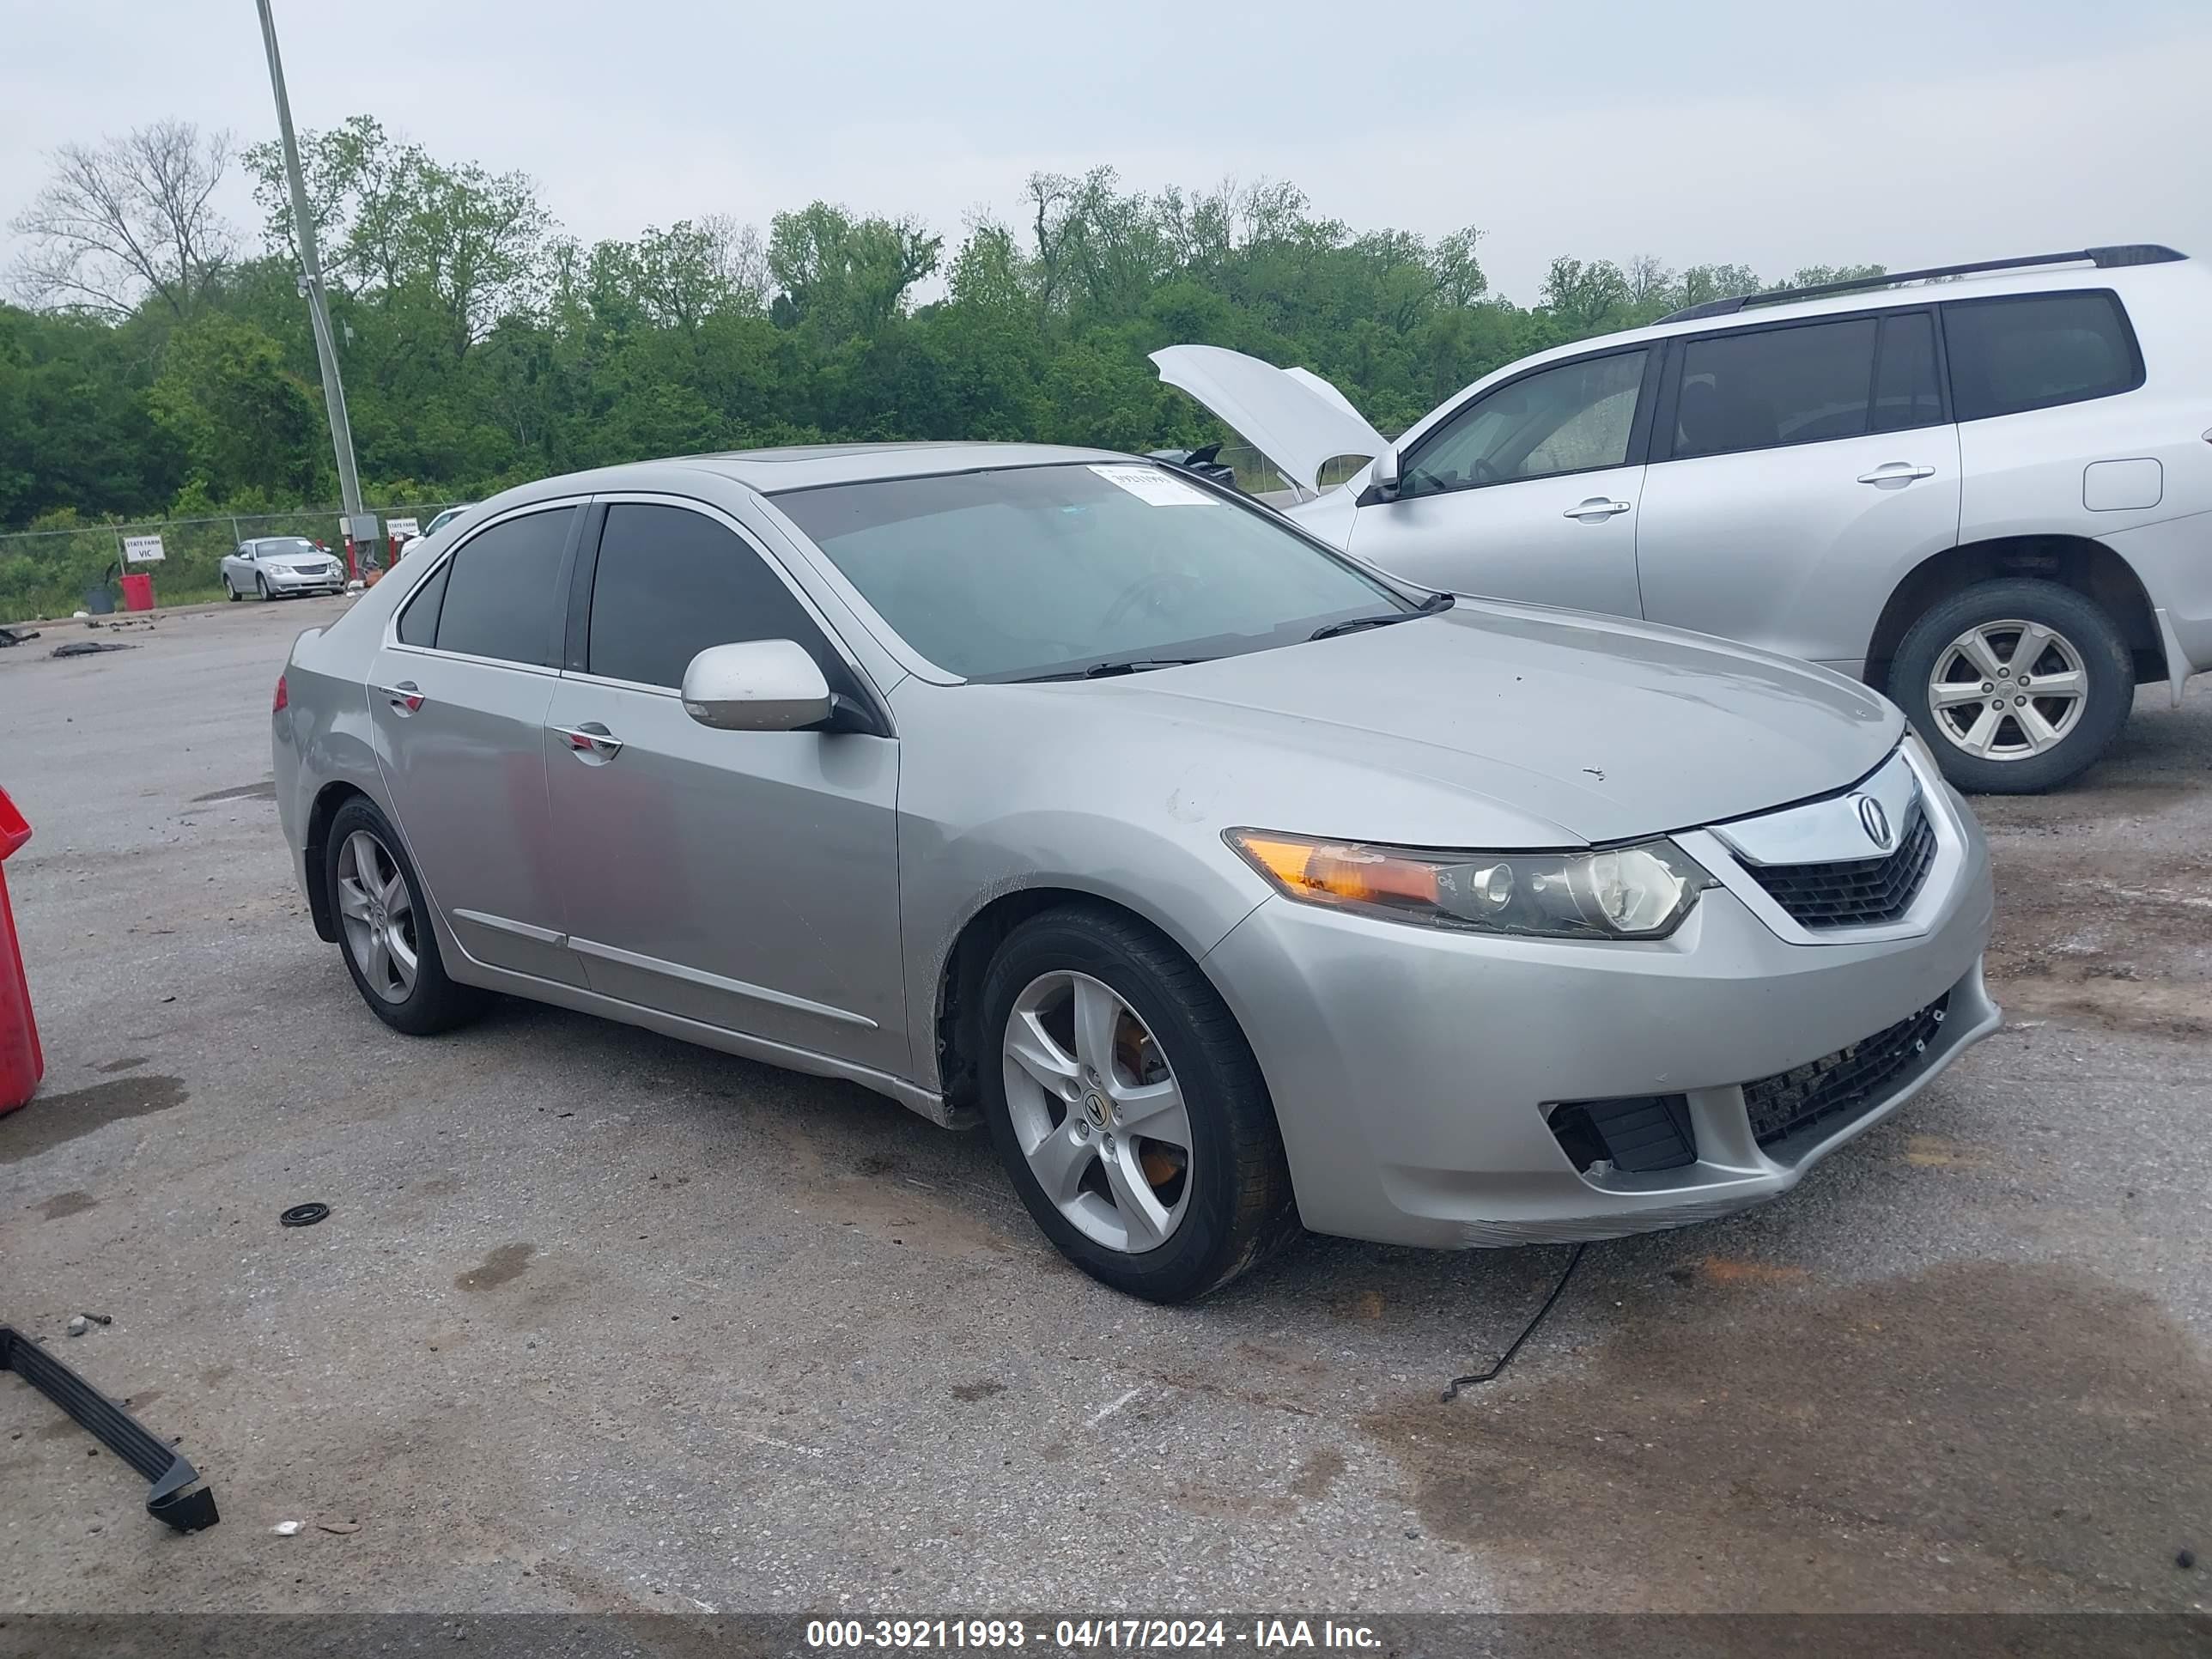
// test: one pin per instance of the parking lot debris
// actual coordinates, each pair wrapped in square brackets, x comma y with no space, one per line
[1476,1379]
[98,1319]
[87,648]
[16,636]
[79,1326]
[288,1528]
[171,1500]
[2185,1559]
[340,1528]
[303,1215]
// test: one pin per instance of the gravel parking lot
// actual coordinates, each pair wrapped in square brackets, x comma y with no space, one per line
[602,1321]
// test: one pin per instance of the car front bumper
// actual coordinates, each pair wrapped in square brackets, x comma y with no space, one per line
[286,582]
[1413,1070]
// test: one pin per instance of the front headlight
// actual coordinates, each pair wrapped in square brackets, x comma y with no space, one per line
[1641,891]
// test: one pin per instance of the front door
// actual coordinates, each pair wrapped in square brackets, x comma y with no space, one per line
[458,701]
[745,880]
[1529,492]
[1797,472]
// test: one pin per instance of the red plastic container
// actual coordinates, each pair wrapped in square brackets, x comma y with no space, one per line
[138,592]
[21,1065]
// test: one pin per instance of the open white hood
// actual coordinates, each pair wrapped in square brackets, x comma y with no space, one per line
[1293,416]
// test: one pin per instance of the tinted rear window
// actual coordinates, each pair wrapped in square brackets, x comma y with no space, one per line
[2033,351]
[503,596]
[1781,386]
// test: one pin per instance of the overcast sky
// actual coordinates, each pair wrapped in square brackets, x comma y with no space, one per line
[1769,134]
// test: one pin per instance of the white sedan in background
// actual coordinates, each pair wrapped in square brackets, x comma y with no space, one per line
[273,565]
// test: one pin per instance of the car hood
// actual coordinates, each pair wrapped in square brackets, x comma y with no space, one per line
[1503,724]
[1293,416]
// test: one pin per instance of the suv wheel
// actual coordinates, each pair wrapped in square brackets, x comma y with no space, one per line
[2017,686]
[1128,1108]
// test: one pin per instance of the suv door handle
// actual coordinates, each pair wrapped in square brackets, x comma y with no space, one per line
[406,697]
[1896,472]
[1595,510]
[591,743]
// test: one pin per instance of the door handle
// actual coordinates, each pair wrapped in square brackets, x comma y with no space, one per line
[1595,510]
[590,742]
[1896,472]
[406,697]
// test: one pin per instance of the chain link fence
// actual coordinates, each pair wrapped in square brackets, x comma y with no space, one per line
[46,573]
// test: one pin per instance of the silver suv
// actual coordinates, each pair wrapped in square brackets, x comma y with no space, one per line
[1986,488]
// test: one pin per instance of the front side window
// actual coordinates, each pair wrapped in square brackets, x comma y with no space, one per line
[1021,573]
[670,582]
[1803,384]
[2033,351]
[1573,418]
[503,596]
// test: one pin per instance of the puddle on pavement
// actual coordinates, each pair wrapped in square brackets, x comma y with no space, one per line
[1980,1435]
[51,1120]
[62,1205]
[504,1266]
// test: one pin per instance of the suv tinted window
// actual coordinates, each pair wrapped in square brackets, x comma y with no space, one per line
[2031,350]
[1572,418]
[1801,384]
[1905,393]
[670,582]
[502,595]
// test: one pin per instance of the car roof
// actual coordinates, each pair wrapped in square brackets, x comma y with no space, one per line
[771,471]
[806,466]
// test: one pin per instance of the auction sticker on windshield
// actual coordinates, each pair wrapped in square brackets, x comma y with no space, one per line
[1149,484]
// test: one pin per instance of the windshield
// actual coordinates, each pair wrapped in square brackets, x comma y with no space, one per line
[1025,572]
[286,544]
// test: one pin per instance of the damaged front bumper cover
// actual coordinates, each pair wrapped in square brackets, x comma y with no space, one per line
[116,1429]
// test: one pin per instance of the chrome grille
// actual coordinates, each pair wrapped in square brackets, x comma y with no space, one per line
[1858,892]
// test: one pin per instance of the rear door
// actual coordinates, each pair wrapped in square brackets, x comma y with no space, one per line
[745,880]
[459,694]
[1529,491]
[1798,471]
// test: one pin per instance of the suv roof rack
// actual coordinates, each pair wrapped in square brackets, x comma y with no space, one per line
[2129,253]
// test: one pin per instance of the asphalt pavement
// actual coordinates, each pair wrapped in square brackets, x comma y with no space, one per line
[602,1321]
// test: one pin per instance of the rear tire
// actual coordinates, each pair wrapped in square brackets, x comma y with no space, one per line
[1217,1174]
[1957,677]
[377,934]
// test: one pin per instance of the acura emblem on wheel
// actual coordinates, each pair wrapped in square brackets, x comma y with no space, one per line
[1875,821]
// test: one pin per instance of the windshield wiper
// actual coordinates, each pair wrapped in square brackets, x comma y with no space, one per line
[1112,666]
[1428,607]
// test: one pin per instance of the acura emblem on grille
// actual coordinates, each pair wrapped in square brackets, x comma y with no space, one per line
[1874,822]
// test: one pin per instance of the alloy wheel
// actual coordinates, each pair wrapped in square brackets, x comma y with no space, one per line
[1098,1112]
[2007,690]
[378,914]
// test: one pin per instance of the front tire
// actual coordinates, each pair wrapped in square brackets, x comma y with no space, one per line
[1127,1108]
[384,931]
[2016,685]
[229,591]
[261,586]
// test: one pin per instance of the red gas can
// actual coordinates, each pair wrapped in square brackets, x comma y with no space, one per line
[21,1065]
[138,592]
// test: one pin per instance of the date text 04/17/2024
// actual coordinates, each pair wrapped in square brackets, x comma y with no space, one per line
[1089,1635]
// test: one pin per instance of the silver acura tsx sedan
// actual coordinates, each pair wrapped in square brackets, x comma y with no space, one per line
[1236,887]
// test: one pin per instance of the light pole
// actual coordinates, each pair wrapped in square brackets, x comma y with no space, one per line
[360,527]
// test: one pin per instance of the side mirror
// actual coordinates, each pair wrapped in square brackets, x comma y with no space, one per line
[1383,479]
[760,685]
